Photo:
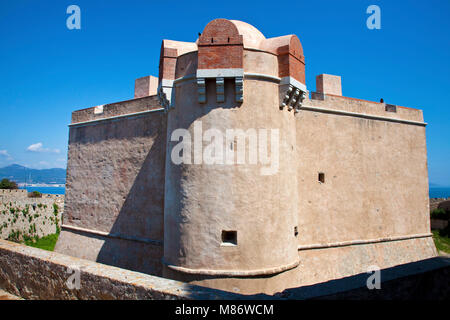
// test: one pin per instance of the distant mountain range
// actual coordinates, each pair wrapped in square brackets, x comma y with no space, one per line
[21,174]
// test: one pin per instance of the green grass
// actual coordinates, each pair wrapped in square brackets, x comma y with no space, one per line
[46,243]
[442,242]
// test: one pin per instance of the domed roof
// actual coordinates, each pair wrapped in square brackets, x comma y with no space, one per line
[252,36]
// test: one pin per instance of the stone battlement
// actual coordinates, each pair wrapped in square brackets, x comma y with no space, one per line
[364,107]
[23,194]
[18,192]
[121,108]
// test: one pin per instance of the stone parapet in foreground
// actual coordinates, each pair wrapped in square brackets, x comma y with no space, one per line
[38,274]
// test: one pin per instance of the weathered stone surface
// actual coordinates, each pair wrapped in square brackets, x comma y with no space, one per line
[438,224]
[7,296]
[145,86]
[37,274]
[29,216]
[115,184]
[375,175]
[434,202]
[329,84]
[445,205]
[116,109]
[32,273]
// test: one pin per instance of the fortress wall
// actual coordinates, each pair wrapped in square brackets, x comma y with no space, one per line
[340,103]
[115,188]
[203,200]
[328,270]
[376,179]
[372,208]
[115,109]
[29,216]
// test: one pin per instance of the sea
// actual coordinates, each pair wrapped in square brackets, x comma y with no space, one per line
[435,192]
[439,192]
[49,190]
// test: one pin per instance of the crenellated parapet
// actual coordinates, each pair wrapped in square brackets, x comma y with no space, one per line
[221,57]
[170,51]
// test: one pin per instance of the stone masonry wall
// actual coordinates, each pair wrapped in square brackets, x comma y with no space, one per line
[43,275]
[376,181]
[115,186]
[116,109]
[29,216]
[355,105]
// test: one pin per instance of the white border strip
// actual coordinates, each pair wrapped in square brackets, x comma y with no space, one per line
[112,235]
[290,80]
[358,242]
[116,117]
[360,115]
[262,76]
[235,273]
[220,73]
[185,78]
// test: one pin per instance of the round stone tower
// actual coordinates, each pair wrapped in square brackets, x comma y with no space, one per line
[231,190]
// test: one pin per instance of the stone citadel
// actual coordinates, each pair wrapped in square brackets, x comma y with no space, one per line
[350,190]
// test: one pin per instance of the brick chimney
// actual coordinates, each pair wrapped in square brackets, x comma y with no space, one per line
[145,86]
[328,84]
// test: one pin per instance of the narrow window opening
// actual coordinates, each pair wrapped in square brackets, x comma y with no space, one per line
[228,39]
[212,40]
[321,177]
[295,231]
[391,108]
[229,238]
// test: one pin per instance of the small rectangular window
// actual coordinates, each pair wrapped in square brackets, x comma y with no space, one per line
[229,238]
[321,177]
[391,108]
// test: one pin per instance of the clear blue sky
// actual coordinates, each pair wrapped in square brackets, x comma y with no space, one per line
[47,71]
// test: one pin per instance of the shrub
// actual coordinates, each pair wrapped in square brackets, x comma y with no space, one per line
[440,214]
[55,209]
[445,232]
[14,236]
[35,194]
[7,184]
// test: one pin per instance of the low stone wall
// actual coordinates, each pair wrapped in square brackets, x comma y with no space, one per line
[38,274]
[438,224]
[22,215]
[434,202]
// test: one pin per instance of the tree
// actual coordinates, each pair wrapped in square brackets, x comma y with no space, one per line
[7,184]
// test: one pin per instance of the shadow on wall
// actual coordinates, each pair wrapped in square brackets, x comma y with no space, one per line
[427,279]
[140,219]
